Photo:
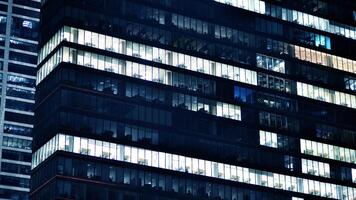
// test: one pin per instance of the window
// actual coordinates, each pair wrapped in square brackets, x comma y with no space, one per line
[268,139]
[153,54]
[22,57]
[270,63]
[141,134]
[16,143]
[3,20]
[24,28]
[200,65]
[243,94]
[17,44]
[315,168]
[322,41]
[19,105]
[20,81]
[20,93]
[327,151]
[326,95]
[202,105]
[350,83]
[200,167]
[293,16]
[275,101]
[274,82]
[297,198]
[289,162]
[228,111]
[17,130]
[277,121]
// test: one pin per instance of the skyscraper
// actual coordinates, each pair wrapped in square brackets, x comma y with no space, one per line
[195,99]
[19,23]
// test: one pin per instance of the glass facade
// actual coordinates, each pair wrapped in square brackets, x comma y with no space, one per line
[294,16]
[128,48]
[181,61]
[197,166]
[270,63]
[327,151]
[225,100]
[19,28]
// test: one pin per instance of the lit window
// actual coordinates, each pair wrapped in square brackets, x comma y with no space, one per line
[315,168]
[270,63]
[2,19]
[180,163]
[350,83]
[194,64]
[297,198]
[27,24]
[268,139]
[61,142]
[326,95]
[293,16]
[322,41]
[327,151]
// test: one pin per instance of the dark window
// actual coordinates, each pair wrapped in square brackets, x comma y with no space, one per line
[24,28]
[19,105]
[20,93]
[21,57]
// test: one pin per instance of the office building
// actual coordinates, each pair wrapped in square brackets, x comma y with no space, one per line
[195,99]
[19,23]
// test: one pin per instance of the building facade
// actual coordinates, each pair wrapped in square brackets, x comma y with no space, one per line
[202,99]
[19,23]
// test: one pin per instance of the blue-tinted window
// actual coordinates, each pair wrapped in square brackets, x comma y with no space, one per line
[243,94]
[17,44]
[2,40]
[22,69]
[270,63]
[19,105]
[20,93]
[21,57]
[26,12]
[16,143]
[17,117]
[1,66]
[350,83]
[322,41]
[21,81]
[15,168]
[16,155]
[3,20]
[17,130]
[33,4]
[15,181]
[24,28]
